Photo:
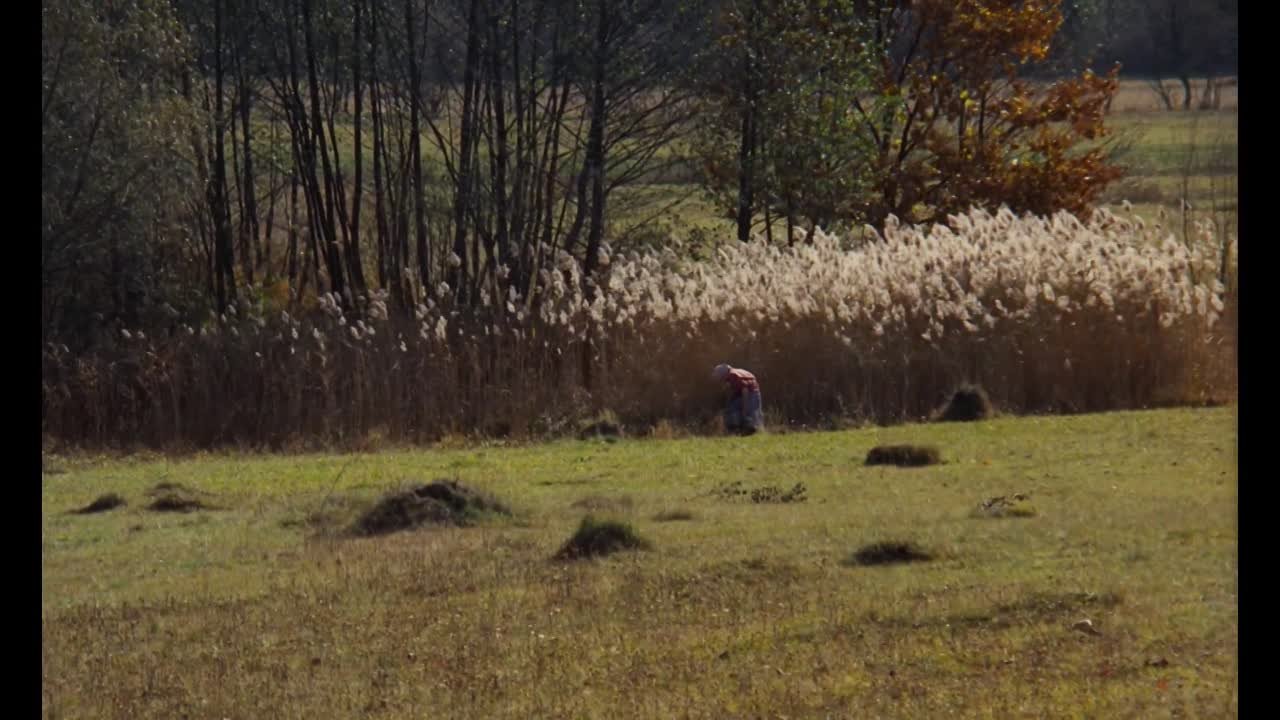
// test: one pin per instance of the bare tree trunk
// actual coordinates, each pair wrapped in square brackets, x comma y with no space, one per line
[324,200]
[354,266]
[249,227]
[462,194]
[1162,92]
[335,184]
[415,148]
[264,249]
[389,273]
[746,151]
[498,251]
[522,189]
[291,254]
[595,159]
[224,260]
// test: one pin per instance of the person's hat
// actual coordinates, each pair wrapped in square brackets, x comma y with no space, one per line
[721,372]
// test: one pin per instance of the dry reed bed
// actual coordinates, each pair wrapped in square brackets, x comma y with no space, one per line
[1048,314]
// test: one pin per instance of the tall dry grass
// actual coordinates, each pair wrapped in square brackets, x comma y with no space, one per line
[1048,314]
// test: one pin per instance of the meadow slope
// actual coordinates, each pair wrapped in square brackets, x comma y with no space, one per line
[740,609]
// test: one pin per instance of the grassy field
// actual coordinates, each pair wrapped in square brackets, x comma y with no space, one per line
[744,609]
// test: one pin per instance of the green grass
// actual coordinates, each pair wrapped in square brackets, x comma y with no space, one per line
[744,610]
[1171,142]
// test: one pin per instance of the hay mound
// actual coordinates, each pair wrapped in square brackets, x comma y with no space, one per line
[173,497]
[110,501]
[890,552]
[903,455]
[596,538]
[602,429]
[968,403]
[442,502]
[1017,505]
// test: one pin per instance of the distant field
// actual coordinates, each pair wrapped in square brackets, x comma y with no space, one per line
[740,609]
[1169,156]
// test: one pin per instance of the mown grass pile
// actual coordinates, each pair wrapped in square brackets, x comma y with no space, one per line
[1046,314]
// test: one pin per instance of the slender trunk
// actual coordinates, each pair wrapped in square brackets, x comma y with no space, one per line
[551,158]
[264,258]
[388,273]
[746,151]
[415,148]
[242,229]
[519,190]
[335,183]
[462,193]
[498,251]
[378,191]
[224,259]
[324,202]
[249,221]
[291,254]
[354,266]
[596,162]
[791,221]
[595,159]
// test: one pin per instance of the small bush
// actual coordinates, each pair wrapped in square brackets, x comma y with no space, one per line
[888,553]
[597,538]
[903,455]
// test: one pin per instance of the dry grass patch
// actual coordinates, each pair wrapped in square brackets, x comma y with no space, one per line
[1016,505]
[604,503]
[676,515]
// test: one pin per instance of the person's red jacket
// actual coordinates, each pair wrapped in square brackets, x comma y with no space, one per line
[741,381]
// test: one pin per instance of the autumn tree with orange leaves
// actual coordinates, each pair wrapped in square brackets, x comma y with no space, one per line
[949,117]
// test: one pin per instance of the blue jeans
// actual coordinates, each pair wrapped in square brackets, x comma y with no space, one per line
[745,414]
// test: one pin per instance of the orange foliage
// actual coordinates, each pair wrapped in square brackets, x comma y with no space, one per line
[966,128]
